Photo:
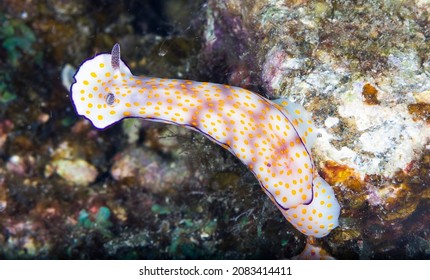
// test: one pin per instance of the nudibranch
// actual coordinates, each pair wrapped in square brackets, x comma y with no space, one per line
[272,138]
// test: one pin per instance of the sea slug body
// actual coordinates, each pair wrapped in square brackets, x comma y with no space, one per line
[272,138]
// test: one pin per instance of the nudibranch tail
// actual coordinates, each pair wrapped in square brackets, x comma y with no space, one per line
[320,216]
[272,139]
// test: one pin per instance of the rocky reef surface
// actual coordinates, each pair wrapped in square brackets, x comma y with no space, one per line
[145,190]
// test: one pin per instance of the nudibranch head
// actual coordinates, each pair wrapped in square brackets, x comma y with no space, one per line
[98,84]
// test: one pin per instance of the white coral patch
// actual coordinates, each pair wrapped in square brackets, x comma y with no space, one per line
[388,133]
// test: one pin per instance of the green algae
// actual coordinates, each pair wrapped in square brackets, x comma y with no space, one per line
[160,210]
[6,96]
[17,39]
[100,223]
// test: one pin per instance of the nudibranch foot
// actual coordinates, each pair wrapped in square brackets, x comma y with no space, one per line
[272,138]
[301,120]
